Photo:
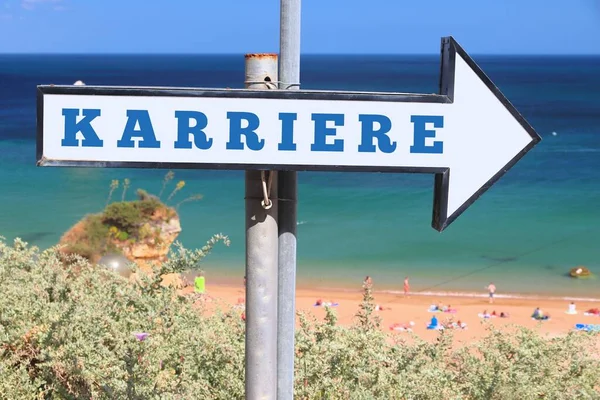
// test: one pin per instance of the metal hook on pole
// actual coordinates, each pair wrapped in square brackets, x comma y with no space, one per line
[266,203]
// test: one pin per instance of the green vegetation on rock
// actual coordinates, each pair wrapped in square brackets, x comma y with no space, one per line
[128,216]
[92,239]
[123,222]
[120,221]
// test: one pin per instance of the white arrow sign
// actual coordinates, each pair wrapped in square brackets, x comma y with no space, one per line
[468,135]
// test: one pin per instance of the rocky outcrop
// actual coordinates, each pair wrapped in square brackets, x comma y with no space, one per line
[155,247]
[580,272]
[142,231]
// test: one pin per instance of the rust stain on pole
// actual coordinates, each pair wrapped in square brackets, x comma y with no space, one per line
[261,71]
[261,56]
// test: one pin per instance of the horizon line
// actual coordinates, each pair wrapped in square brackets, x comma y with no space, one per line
[304,54]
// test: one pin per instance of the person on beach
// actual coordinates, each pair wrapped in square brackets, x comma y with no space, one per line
[321,303]
[492,290]
[539,315]
[434,322]
[406,287]
[449,309]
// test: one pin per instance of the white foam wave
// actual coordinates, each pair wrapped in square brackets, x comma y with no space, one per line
[581,150]
[468,294]
[500,296]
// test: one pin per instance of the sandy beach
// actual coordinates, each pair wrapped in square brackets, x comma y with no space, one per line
[398,309]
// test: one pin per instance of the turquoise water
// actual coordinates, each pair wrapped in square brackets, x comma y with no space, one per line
[524,234]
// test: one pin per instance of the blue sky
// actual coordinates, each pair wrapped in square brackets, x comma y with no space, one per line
[328,26]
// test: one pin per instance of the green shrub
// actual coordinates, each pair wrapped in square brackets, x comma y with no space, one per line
[68,332]
[96,232]
[149,206]
[145,231]
[123,236]
[83,249]
[93,239]
[126,216]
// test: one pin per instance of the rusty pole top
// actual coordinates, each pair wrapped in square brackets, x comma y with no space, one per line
[261,56]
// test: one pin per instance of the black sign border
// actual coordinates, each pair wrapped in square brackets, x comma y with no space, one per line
[449,49]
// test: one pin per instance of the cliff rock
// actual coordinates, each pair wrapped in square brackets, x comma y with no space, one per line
[142,230]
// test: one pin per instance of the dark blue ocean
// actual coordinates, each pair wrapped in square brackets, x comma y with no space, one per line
[525,233]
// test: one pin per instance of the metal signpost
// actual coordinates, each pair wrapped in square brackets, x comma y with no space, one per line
[468,135]
[289,75]
[261,256]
